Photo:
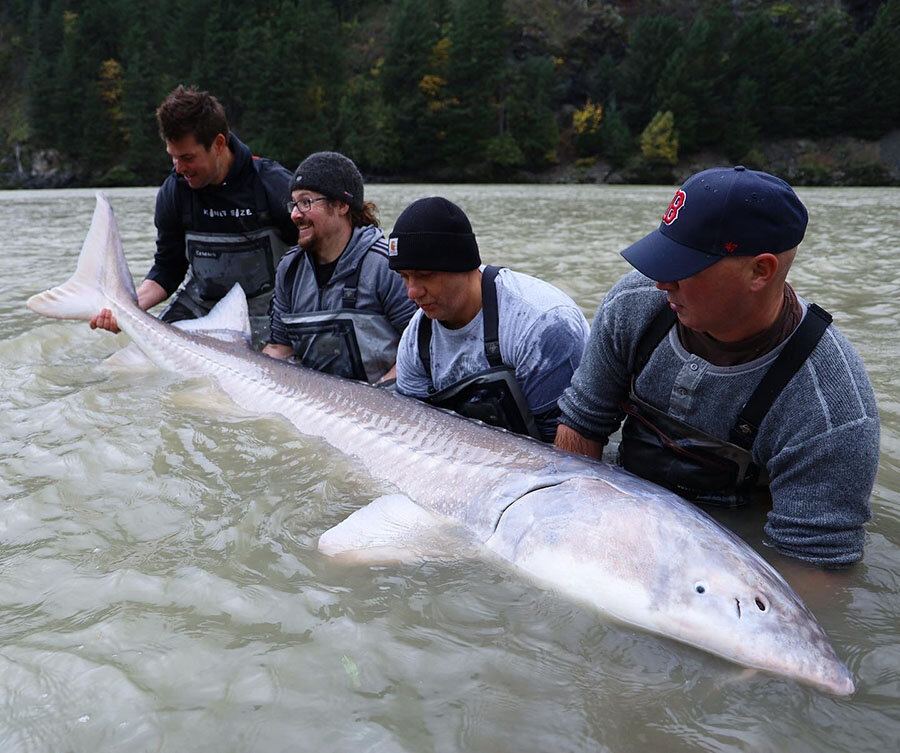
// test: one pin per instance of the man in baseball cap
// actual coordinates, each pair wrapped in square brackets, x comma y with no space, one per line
[733,389]
[488,343]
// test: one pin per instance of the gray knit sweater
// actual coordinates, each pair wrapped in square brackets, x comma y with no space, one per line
[819,441]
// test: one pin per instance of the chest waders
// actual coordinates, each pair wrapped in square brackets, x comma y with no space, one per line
[219,260]
[689,461]
[492,395]
[348,342]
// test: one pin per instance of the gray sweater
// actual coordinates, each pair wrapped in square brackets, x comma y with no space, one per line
[818,442]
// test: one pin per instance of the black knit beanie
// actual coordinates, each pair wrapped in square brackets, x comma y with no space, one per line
[331,174]
[433,234]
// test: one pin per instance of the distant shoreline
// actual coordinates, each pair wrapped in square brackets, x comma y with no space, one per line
[838,162]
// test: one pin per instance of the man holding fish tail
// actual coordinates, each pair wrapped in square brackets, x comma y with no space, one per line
[220,217]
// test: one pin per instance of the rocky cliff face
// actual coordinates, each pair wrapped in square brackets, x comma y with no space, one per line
[44,168]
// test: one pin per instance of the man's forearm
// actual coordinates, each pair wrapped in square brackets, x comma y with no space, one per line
[149,293]
[570,440]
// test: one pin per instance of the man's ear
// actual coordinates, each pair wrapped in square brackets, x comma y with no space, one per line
[763,269]
[220,142]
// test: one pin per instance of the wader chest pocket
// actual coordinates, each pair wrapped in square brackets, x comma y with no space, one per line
[217,265]
[493,396]
[330,347]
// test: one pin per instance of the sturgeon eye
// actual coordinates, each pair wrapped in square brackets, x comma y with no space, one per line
[760,604]
[700,588]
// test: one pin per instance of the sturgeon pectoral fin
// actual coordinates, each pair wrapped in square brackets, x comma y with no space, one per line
[392,528]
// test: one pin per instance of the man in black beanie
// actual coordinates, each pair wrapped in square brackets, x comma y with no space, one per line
[488,343]
[337,307]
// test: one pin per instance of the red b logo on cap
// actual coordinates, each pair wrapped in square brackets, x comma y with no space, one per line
[671,214]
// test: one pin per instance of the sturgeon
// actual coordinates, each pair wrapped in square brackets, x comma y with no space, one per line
[590,531]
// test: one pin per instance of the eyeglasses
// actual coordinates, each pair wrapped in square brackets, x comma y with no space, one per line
[304,205]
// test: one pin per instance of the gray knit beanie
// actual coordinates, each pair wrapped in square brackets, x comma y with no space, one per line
[331,174]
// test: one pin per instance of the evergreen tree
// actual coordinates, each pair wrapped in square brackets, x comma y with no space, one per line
[365,126]
[46,34]
[875,103]
[530,111]
[142,92]
[765,58]
[75,94]
[272,108]
[821,78]
[618,145]
[645,69]
[204,48]
[739,135]
[412,81]
[475,71]
[695,87]
[295,77]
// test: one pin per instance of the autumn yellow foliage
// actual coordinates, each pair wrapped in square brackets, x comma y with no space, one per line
[659,141]
[588,118]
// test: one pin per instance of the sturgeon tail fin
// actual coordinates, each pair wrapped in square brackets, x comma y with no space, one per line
[101,277]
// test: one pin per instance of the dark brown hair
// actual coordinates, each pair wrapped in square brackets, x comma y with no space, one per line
[189,112]
[368,215]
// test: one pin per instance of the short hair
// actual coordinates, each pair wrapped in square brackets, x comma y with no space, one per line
[190,112]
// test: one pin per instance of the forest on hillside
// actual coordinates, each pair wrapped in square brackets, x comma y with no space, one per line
[446,89]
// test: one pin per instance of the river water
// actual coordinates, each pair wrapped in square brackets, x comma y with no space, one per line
[161,590]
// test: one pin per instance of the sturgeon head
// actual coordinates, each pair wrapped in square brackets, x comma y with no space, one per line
[650,559]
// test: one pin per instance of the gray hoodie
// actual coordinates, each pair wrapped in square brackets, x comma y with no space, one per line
[380,289]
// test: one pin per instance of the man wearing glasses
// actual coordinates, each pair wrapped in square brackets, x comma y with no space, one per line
[220,217]
[338,308]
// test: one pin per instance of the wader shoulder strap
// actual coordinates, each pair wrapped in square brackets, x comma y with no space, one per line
[290,274]
[490,318]
[423,342]
[651,337]
[348,295]
[791,358]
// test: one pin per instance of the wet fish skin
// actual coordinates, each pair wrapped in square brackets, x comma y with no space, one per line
[592,532]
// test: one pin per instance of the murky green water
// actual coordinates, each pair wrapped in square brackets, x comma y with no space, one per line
[160,588]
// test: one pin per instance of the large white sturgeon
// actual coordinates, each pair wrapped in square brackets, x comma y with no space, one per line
[593,532]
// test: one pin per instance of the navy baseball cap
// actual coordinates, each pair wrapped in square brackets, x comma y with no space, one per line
[725,211]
